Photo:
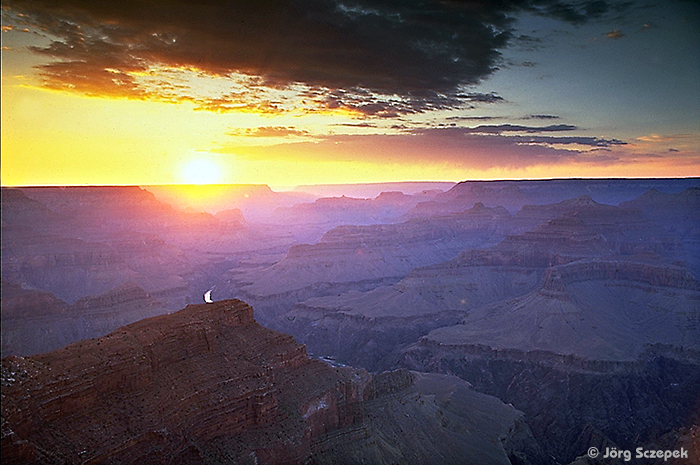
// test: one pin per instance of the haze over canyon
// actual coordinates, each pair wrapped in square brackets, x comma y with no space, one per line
[504,322]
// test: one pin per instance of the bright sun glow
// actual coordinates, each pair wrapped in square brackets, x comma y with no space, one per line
[201,171]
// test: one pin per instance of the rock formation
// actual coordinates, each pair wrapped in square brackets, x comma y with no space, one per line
[35,321]
[209,385]
[677,213]
[515,194]
[365,257]
[363,327]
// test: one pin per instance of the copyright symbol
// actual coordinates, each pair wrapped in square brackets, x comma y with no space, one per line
[593,452]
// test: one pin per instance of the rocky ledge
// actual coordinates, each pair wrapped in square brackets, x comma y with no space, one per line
[197,386]
[209,385]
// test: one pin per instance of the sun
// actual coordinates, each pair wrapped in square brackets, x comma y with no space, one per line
[201,171]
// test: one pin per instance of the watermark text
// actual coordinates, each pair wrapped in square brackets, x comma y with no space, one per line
[638,453]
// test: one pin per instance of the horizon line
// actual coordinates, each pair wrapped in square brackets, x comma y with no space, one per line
[602,178]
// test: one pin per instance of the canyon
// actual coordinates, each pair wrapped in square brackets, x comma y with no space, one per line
[208,384]
[538,317]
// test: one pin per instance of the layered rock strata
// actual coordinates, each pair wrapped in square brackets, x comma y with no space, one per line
[35,321]
[363,258]
[199,386]
[209,385]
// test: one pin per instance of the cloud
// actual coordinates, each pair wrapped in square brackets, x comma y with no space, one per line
[493,134]
[269,131]
[527,43]
[363,124]
[575,12]
[455,147]
[498,129]
[616,34]
[378,58]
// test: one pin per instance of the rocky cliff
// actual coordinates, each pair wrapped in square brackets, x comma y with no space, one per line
[17,208]
[597,309]
[515,194]
[35,321]
[364,327]
[571,404]
[604,352]
[678,213]
[209,385]
[93,239]
[199,386]
[363,258]
[675,210]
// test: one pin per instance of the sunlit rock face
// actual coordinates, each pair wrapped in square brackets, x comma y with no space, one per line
[209,385]
[195,386]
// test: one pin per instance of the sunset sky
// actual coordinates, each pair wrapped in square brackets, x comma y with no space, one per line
[338,91]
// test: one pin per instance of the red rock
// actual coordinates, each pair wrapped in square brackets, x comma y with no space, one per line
[196,386]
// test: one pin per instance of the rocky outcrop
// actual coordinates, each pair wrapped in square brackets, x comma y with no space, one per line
[114,203]
[365,327]
[93,239]
[359,340]
[476,277]
[677,213]
[192,387]
[597,309]
[387,207]
[35,321]
[466,194]
[362,328]
[439,419]
[361,258]
[18,209]
[255,201]
[605,352]
[581,224]
[515,194]
[67,267]
[29,303]
[348,254]
[231,217]
[209,385]
[649,273]
[571,404]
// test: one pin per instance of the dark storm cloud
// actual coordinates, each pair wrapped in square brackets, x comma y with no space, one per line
[421,51]
[574,12]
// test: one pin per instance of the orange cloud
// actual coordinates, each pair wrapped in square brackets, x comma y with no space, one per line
[616,34]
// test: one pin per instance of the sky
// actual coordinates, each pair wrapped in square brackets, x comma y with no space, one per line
[342,91]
